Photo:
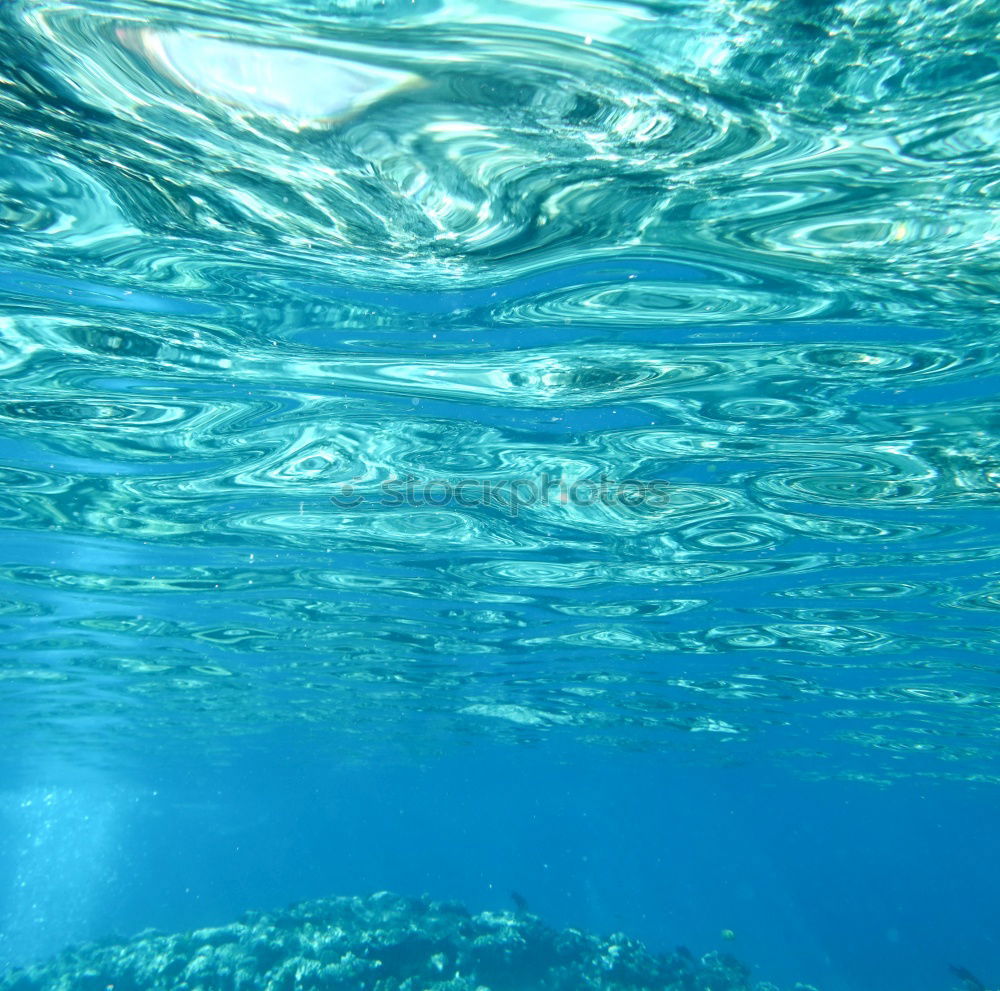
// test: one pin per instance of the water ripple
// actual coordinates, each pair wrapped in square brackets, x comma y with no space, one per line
[267,265]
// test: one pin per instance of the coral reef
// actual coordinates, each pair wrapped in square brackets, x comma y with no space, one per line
[381,943]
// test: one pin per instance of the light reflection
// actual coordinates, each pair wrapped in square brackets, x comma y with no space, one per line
[301,89]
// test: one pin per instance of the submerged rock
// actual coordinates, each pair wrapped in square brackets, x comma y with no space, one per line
[381,943]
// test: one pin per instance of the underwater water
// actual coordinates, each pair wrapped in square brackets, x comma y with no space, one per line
[516,482]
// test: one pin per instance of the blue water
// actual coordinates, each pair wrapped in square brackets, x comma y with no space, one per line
[841,886]
[487,448]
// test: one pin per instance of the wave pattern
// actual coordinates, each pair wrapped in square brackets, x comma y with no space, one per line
[265,260]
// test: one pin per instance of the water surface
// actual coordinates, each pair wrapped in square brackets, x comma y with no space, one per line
[267,265]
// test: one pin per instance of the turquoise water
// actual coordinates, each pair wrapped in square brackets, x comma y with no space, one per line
[458,447]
